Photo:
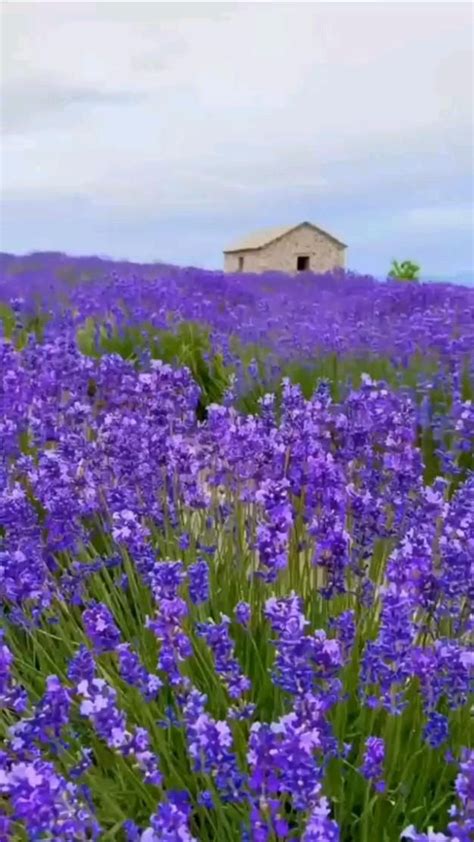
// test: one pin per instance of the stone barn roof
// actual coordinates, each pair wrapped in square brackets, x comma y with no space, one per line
[260,239]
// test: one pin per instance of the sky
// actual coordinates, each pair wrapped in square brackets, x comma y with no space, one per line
[155,131]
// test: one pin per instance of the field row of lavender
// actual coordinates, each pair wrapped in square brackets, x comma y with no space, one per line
[236,556]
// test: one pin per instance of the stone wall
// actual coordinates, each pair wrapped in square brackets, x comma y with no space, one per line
[281,255]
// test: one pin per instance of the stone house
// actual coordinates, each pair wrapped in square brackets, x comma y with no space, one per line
[291,248]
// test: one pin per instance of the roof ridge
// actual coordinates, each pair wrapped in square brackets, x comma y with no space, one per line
[264,236]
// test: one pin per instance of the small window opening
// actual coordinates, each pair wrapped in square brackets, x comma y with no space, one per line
[302,263]
[241,264]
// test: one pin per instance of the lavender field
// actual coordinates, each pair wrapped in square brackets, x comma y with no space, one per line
[236,555]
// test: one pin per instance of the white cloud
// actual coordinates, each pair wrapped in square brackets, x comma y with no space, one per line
[144,108]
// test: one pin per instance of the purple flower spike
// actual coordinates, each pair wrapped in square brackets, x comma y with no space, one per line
[135,674]
[437,729]
[321,828]
[46,804]
[243,613]
[372,765]
[82,666]
[198,574]
[101,628]
[218,639]
[171,821]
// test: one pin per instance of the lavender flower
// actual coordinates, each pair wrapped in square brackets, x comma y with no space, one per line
[273,533]
[171,821]
[436,730]
[301,659]
[345,629]
[373,760]
[48,719]
[44,802]
[217,638]
[463,825]
[337,497]
[82,666]
[135,674]
[198,574]
[210,745]
[266,820]
[243,613]
[165,579]
[321,828]
[146,760]
[184,541]
[175,645]
[131,830]
[206,799]
[101,628]
[99,705]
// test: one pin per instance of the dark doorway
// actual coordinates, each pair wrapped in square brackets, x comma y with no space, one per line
[302,263]
[241,264]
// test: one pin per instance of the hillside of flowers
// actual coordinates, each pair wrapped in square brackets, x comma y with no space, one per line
[236,556]
[291,319]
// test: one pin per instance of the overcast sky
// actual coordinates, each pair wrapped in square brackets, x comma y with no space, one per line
[164,131]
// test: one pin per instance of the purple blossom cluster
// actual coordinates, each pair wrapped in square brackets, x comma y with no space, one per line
[100,628]
[99,705]
[373,760]
[135,674]
[198,574]
[211,747]
[44,801]
[218,639]
[274,531]
[321,827]
[302,661]
[171,821]
[221,605]
[339,312]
